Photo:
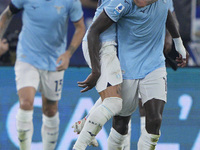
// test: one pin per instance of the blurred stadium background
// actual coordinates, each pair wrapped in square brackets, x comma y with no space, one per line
[181,123]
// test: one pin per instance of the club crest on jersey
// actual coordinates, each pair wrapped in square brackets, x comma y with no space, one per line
[119,9]
[58,8]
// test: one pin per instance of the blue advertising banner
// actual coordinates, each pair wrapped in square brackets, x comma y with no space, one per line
[181,118]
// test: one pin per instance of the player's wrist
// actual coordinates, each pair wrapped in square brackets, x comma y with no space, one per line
[179,46]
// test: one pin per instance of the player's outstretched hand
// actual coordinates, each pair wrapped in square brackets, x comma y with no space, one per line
[89,82]
[182,62]
[64,61]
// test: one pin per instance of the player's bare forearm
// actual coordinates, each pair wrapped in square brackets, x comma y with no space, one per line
[143,3]
[172,25]
[77,37]
[94,44]
[5,19]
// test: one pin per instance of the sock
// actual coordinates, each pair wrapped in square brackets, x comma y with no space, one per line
[147,141]
[24,125]
[142,123]
[97,103]
[115,140]
[110,107]
[50,131]
[127,140]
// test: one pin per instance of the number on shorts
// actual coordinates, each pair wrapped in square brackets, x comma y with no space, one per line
[58,85]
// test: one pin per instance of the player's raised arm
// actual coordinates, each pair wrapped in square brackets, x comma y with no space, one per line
[143,3]
[173,29]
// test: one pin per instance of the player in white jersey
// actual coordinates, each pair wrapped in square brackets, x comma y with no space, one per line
[41,61]
[141,56]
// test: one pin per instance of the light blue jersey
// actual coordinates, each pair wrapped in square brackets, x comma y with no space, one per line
[110,33]
[141,34]
[44,32]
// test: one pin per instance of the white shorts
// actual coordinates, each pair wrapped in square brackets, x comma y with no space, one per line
[110,66]
[154,85]
[49,83]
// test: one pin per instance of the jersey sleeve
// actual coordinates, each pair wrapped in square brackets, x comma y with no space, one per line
[76,11]
[171,6]
[117,8]
[18,3]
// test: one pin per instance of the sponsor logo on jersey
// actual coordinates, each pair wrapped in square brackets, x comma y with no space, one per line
[119,9]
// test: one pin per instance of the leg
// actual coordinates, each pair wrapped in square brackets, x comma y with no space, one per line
[51,89]
[78,126]
[154,109]
[119,133]
[50,126]
[27,80]
[153,93]
[100,116]
[119,136]
[150,135]
[25,116]
[108,86]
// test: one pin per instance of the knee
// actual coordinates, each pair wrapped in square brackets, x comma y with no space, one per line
[120,124]
[49,111]
[50,108]
[154,121]
[26,104]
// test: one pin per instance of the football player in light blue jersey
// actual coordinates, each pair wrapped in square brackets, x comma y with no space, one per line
[41,61]
[172,63]
[140,34]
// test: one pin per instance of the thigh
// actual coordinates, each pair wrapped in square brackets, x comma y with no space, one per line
[154,86]
[129,92]
[49,107]
[111,91]
[154,108]
[26,75]
[111,74]
[110,66]
[51,84]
